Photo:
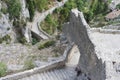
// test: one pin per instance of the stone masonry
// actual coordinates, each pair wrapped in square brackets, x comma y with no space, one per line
[99,49]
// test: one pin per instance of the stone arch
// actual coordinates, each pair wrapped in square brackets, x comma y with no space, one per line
[77,31]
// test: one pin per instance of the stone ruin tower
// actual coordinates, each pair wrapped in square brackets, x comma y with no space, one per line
[99,48]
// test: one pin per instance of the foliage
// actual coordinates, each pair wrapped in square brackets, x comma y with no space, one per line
[6,38]
[19,23]
[118,6]
[41,5]
[4,10]
[54,21]
[3,69]
[34,41]
[59,0]
[28,64]
[90,9]
[1,40]
[31,8]
[46,44]
[50,24]
[14,8]
[22,40]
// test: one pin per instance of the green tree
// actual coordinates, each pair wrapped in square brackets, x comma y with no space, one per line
[14,8]
[41,5]
[31,8]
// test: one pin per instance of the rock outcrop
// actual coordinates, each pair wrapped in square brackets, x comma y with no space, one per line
[98,49]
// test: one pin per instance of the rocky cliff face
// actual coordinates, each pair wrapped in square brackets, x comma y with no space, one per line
[6,25]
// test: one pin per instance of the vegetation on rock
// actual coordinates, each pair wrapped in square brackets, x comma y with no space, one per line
[14,8]
[28,64]
[91,9]
[3,69]
[118,6]
[46,44]
[31,8]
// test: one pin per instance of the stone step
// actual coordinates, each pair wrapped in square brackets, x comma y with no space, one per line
[56,74]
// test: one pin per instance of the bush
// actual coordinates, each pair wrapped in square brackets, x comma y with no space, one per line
[1,40]
[50,24]
[61,15]
[6,38]
[22,40]
[41,5]
[3,69]
[4,10]
[118,6]
[34,41]
[59,0]
[28,64]
[31,8]
[46,44]
[14,8]
[19,23]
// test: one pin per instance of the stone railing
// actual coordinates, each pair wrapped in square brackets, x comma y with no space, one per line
[43,32]
[106,31]
[58,63]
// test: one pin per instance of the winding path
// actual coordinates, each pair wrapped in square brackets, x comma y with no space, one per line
[34,26]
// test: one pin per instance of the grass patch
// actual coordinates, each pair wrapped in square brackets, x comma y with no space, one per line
[3,69]
[46,44]
[28,64]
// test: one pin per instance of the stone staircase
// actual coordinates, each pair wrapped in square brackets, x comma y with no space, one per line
[66,73]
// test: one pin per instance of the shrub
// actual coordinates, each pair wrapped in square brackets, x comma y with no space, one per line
[31,8]
[118,6]
[46,44]
[50,24]
[19,23]
[61,15]
[28,64]
[14,8]
[0,14]
[34,41]
[4,10]
[22,40]
[3,69]
[59,0]
[41,5]
[6,38]
[1,40]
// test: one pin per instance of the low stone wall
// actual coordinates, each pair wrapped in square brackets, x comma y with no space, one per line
[43,32]
[106,31]
[58,63]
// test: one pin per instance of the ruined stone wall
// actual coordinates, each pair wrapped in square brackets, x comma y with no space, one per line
[77,31]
